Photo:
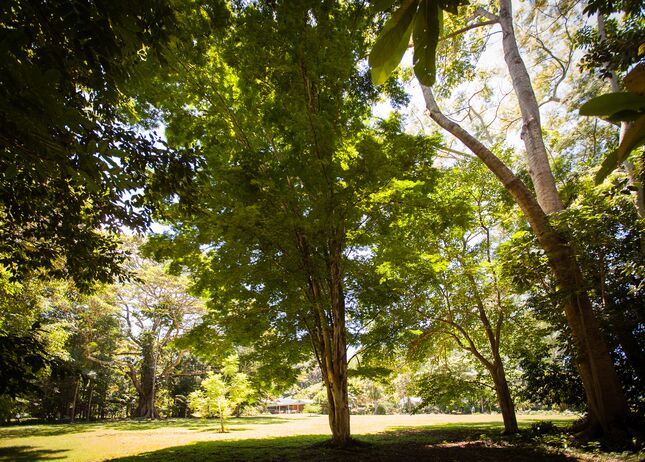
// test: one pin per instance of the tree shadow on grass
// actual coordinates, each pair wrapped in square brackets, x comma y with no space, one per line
[191,424]
[25,431]
[462,444]
[205,425]
[20,453]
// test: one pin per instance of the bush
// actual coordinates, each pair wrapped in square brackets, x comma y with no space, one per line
[8,409]
[313,409]
[380,409]
[543,427]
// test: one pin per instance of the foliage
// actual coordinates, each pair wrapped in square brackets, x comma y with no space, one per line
[72,163]
[623,41]
[617,107]
[22,358]
[611,50]
[423,19]
[448,390]
[222,394]
[312,408]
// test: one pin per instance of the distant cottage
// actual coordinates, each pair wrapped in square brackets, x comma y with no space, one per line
[288,406]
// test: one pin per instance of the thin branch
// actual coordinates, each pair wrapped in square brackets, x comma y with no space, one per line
[469,27]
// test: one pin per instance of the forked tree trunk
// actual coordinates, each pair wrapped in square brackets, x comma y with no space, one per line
[336,366]
[607,405]
[329,337]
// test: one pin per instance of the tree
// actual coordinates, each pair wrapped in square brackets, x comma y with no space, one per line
[453,383]
[222,394]
[72,163]
[154,311]
[450,277]
[79,382]
[31,345]
[607,406]
[289,166]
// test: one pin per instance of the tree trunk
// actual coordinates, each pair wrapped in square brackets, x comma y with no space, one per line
[607,405]
[538,161]
[89,401]
[328,333]
[73,408]
[504,398]
[147,392]
[221,416]
[337,373]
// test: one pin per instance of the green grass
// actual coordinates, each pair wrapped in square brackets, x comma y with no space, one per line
[282,438]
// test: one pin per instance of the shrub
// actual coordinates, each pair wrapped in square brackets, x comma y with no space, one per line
[313,409]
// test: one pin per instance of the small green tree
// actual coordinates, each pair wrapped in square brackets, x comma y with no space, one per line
[222,394]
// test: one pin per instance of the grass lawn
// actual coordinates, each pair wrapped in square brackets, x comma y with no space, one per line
[282,438]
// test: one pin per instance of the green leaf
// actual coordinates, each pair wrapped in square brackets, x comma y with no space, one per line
[613,103]
[624,116]
[427,29]
[633,138]
[382,5]
[392,42]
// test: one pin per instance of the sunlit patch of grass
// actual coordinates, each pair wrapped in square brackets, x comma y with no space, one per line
[284,438]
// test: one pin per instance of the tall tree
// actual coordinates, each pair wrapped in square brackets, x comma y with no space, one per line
[608,409]
[154,311]
[289,166]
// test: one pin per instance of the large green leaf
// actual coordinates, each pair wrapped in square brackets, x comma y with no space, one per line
[382,5]
[613,103]
[427,28]
[392,42]
[633,138]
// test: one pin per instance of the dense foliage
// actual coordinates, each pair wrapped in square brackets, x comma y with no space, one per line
[307,247]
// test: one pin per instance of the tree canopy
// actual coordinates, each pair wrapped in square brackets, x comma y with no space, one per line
[317,239]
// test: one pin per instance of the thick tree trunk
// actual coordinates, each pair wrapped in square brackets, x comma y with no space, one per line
[339,413]
[504,399]
[148,388]
[607,405]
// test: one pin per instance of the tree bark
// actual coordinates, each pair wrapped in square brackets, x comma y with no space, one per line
[328,333]
[147,391]
[89,401]
[339,418]
[607,405]
[504,398]
[76,389]
[538,161]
